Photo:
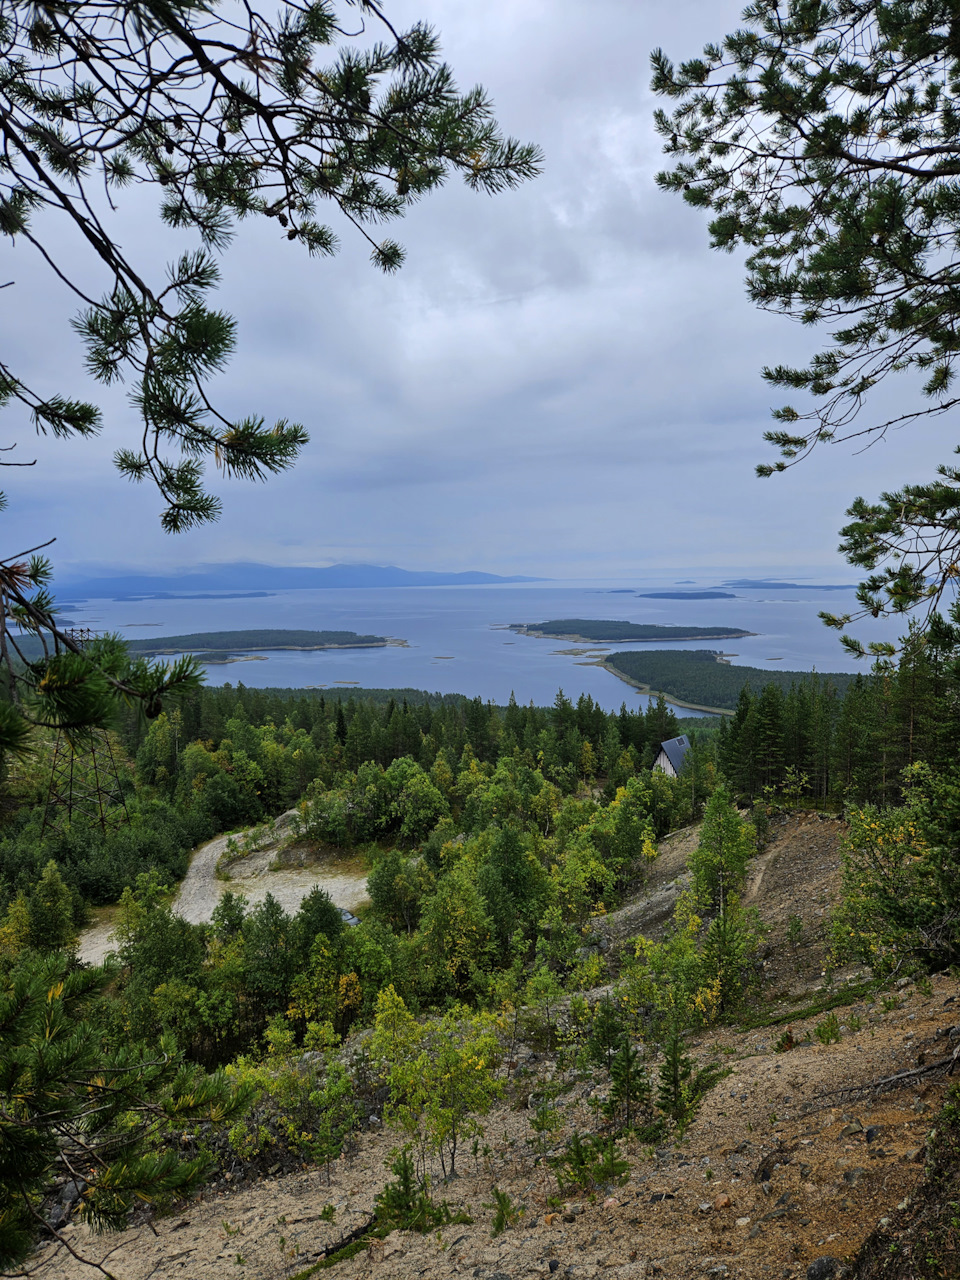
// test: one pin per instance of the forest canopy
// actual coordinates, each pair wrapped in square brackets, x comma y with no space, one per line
[699,677]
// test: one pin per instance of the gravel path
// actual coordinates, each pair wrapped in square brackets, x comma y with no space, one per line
[252,876]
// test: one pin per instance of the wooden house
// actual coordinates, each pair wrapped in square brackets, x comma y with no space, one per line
[671,756]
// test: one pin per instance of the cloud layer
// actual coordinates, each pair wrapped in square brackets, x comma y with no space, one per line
[561,380]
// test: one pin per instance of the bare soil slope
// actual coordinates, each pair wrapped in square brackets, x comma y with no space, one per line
[792,1157]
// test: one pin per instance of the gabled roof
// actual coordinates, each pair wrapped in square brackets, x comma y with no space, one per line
[675,750]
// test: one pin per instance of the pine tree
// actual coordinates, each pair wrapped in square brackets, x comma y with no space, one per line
[607,1033]
[675,1081]
[729,952]
[629,1100]
[739,750]
[341,725]
[719,862]
[71,1106]
[768,746]
[842,195]
[660,722]
[824,713]
[51,912]
[681,1084]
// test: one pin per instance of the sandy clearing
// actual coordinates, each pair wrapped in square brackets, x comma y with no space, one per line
[254,876]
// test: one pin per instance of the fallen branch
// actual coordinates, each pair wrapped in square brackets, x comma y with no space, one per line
[902,1079]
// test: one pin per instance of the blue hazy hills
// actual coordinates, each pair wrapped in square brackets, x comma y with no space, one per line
[250,578]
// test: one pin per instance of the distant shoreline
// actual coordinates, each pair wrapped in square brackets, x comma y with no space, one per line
[651,692]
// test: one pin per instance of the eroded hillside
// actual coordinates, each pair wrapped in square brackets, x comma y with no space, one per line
[794,1156]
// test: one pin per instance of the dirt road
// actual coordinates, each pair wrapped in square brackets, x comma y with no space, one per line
[254,875]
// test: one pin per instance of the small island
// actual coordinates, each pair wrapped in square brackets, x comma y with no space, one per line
[771,584]
[594,631]
[685,595]
[671,595]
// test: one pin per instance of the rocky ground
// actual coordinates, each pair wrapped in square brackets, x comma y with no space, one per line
[794,1157]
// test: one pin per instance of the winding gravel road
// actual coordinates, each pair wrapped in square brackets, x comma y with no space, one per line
[252,876]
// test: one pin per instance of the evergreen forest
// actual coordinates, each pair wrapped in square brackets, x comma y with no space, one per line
[495,841]
[701,678]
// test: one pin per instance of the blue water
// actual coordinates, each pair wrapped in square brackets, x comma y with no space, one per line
[457,645]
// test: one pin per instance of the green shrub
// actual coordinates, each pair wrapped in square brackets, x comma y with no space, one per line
[827,1030]
[406,1205]
[587,1162]
[786,1042]
[507,1213]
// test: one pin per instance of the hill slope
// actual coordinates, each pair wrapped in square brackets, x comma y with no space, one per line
[792,1158]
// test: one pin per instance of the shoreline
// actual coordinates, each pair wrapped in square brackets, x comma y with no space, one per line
[521,629]
[651,692]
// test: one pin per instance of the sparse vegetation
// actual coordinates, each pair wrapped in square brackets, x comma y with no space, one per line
[827,1031]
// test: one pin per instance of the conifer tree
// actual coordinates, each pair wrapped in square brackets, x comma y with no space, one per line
[674,1087]
[51,912]
[681,1083]
[719,862]
[823,138]
[607,1033]
[769,736]
[71,1107]
[629,1100]
[729,952]
[738,758]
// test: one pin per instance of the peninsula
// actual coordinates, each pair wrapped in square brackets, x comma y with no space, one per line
[593,631]
[704,680]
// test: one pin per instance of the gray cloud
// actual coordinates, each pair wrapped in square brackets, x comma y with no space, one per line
[564,379]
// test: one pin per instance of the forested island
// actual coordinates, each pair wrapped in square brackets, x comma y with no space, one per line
[614,631]
[685,595]
[700,678]
[264,638]
[233,646]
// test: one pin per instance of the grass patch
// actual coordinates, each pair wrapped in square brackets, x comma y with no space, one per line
[835,1000]
[342,1254]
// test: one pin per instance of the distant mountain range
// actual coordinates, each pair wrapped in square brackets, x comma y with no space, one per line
[249,577]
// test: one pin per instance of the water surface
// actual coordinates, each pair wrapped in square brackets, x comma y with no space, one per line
[457,642]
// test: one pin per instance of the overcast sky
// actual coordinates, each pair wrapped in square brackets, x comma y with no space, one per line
[562,380]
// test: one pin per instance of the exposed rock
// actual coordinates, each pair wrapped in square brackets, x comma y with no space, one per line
[824,1268]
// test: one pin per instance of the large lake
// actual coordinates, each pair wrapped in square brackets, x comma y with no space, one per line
[457,644]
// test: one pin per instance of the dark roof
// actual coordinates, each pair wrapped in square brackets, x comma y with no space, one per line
[675,750]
